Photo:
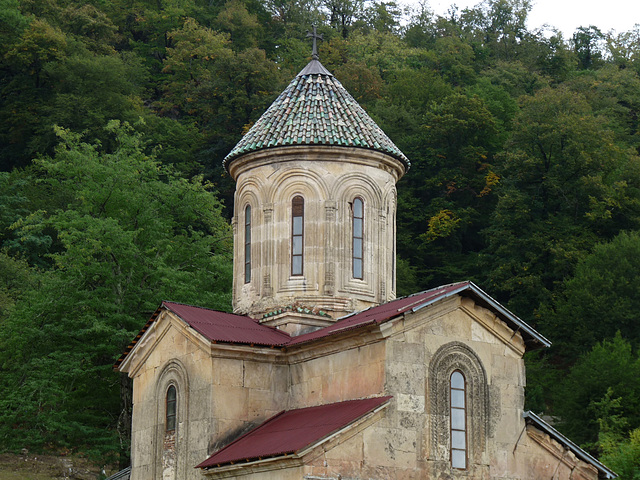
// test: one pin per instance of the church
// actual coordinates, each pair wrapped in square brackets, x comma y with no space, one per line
[321,372]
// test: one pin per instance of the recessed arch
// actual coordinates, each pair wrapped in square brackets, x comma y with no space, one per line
[171,444]
[357,237]
[350,185]
[458,357]
[296,180]
[252,190]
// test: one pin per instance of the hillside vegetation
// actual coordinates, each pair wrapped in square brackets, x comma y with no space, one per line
[116,115]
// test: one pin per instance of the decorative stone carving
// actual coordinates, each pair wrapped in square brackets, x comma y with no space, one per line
[267,210]
[450,357]
[267,291]
[330,210]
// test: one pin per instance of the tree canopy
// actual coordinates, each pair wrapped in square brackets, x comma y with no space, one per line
[115,119]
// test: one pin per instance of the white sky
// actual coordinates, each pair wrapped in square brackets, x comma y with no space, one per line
[565,15]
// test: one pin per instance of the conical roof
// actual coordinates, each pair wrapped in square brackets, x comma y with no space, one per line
[315,109]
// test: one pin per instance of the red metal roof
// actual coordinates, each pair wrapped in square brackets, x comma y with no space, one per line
[227,327]
[289,432]
[380,313]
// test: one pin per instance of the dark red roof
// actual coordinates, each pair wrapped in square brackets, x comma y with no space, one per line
[380,313]
[227,327]
[289,432]
[395,308]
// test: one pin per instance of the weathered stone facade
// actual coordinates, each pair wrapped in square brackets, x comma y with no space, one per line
[224,390]
[226,386]
[328,179]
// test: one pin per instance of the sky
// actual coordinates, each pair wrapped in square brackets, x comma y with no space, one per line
[565,15]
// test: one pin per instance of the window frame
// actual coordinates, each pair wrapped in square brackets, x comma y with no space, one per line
[465,428]
[247,244]
[354,237]
[297,206]
[171,419]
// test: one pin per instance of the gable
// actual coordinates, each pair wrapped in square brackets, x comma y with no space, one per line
[165,336]
[205,325]
[214,326]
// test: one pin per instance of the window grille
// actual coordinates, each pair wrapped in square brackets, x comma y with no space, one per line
[358,238]
[458,420]
[297,235]
[247,244]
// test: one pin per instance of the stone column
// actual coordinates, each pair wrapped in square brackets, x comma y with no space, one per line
[267,259]
[329,247]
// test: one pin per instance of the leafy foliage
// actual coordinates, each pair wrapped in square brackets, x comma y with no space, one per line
[609,371]
[131,233]
[600,298]
[525,174]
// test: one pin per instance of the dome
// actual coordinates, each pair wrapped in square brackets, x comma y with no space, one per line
[315,109]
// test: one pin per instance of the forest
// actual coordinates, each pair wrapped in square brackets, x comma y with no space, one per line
[115,116]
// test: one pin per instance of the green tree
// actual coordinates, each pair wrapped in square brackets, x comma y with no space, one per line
[132,233]
[614,93]
[222,90]
[18,199]
[16,279]
[12,22]
[342,14]
[588,45]
[609,371]
[447,195]
[619,447]
[383,16]
[242,26]
[624,49]
[622,454]
[564,183]
[600,298]
[497,28]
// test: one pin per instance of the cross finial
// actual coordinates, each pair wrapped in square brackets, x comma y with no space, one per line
[315,36]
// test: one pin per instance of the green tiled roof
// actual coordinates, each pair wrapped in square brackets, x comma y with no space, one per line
[315,109]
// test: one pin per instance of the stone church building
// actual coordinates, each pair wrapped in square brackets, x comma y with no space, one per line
[321,372]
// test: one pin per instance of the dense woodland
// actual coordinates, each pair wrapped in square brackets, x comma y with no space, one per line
[115,116]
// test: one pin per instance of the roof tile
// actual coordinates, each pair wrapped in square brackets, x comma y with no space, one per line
[315,97]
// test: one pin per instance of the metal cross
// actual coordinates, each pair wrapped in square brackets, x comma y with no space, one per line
[315,36]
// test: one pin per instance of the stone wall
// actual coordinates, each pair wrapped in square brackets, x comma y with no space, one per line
[329,179]
[355,372]
[170,354]
[225,390]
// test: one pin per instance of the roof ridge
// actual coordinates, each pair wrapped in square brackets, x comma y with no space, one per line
[205,308]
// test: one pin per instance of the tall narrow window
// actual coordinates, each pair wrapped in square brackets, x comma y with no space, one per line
[458,421]
[247,244]
[297,235]
[171,409]
[358,228]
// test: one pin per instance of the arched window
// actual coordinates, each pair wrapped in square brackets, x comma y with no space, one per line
[297,235]
[247,244]
[358,237]
[171,409]
[458,420]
